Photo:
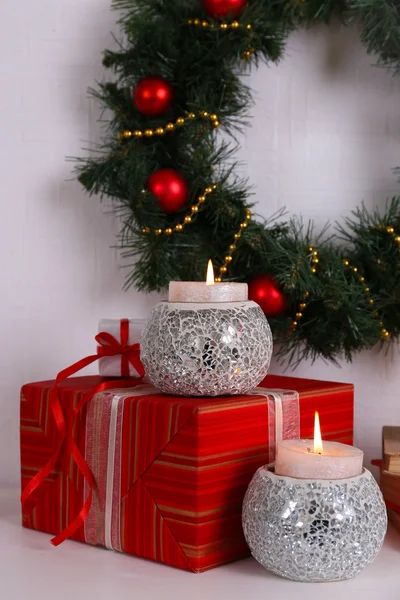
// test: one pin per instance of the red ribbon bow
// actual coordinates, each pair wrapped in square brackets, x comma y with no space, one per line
[109,346]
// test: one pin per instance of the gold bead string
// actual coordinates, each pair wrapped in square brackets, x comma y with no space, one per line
[304,302]
[194,209]
[224,26]
[391,231]
[169,127]
[385,334]
[228,258]
[248,53]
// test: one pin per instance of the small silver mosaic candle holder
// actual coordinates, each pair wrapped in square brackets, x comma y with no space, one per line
[206,349]
[314,530]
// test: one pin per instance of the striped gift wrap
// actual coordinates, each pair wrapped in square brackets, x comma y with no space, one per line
[170,472]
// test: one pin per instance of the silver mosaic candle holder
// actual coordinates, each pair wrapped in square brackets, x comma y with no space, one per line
[314,530]
[206,349]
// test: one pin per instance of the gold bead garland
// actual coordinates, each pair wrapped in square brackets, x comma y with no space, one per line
[248,53]
[303,303]
[232,247]
[385,334]
[223,26]
[194,209]
[392,232]
[137,133]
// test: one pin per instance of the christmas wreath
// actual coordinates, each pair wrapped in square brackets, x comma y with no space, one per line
[177,81]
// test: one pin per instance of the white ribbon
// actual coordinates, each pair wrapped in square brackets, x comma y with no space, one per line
[283,416]
[278,416]
[108,511]
[110,467]
[278,409]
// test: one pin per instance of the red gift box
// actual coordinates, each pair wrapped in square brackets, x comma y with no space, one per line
[180,466]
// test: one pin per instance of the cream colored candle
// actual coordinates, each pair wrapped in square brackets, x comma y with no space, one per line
[209,291]
[314,459]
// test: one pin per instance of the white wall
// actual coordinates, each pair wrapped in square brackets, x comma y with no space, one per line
[325,136]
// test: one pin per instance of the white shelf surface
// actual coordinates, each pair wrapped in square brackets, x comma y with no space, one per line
[31,568]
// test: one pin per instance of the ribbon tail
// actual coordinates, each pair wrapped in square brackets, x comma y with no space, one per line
[83,513]
[81,462]
[51,464]
[59,419]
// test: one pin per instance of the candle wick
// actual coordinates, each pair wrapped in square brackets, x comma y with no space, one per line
[311,451]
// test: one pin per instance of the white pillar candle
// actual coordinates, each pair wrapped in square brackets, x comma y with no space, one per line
[296,458]
[201,292]
[196,291]
[314,459]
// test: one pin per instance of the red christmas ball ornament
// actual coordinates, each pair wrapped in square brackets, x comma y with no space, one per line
[221,9]
[265,291]
[153,96]
[170,188]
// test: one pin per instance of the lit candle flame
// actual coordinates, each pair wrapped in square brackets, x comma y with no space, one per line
[318,447]
[210,273]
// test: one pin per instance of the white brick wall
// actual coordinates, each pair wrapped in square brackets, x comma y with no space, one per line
[325,136]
